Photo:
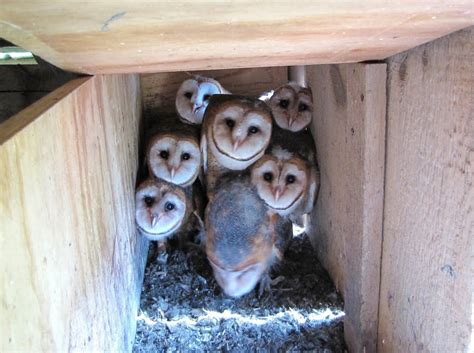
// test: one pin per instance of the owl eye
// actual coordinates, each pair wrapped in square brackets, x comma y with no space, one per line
[206,97]
[169,206]
[164,154]
[268,176]
[290,179]
[149,201]
[188,95]
[230,123]
[284,103]
[185,156]
[302,107]
[253,130]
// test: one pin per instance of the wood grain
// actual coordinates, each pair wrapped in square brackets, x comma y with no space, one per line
[426,299]
[159,89]
[143,36]
[71,261]
[349,130]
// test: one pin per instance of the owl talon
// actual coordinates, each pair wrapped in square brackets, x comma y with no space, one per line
[265,286]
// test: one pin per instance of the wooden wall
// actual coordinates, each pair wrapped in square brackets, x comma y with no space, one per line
[159,89]
[426,299]
[71,262]
[349,129]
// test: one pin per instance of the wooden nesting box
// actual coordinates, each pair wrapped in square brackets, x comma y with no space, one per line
[394,220]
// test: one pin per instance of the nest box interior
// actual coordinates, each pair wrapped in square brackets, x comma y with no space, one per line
[392,228]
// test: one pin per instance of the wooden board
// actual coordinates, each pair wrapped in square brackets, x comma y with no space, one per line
[146,36]
[71,262]
[22,85]
[159,90]
[349,129]
[13,102]
[426,299]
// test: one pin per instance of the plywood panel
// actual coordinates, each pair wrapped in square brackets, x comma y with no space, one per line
[349,129]
[159,90]
[146,36]
[71,262]
[426,299]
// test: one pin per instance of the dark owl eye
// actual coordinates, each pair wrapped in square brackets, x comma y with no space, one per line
[188,95]
[169,206]
[164,154]
[302,107]
[206,97]
[290,179]
[253,130]
[284,103]
[185,156]
[268,176]
[230,123]
[149,201]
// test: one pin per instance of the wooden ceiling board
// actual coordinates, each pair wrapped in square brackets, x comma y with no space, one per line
[150,36]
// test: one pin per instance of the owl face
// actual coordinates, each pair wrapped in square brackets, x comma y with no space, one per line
[292,107]
[240,133]
[176,160]
[159,208]
[193,97]
[237,283]
[281,184]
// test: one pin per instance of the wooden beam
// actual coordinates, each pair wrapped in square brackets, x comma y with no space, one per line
[426,298]
[71,261]
[143,36]
[349,130]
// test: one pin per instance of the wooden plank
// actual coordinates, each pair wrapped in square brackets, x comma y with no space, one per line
[426,299]
[349,130]
[143,36]
[21,86]
[71,261]
[159,90]
[43,77]
[13,102]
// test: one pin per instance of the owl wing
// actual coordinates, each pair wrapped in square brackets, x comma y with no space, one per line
[313,191]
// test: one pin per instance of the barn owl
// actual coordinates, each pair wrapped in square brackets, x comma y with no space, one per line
[243,238]
[287,176]
[173,152]
[292,106]
[164,210]
[193,97]
[236,131]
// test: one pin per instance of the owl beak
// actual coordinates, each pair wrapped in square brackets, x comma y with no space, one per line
[277,193]
[196,108]
[154,221]
[173,172]
[237,144]
[292,120]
